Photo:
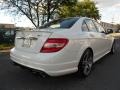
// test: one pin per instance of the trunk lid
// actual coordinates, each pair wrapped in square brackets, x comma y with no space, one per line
[31,41]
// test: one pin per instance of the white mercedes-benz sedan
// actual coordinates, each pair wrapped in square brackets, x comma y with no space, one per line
[62,46]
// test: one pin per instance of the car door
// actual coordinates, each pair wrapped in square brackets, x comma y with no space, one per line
[104,37]
[96,39]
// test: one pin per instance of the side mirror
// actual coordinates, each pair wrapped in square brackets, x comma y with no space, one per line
[109,31]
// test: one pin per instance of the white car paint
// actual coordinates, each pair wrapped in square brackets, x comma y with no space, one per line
[67,59]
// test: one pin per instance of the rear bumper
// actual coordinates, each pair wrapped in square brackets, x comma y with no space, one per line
[43,63]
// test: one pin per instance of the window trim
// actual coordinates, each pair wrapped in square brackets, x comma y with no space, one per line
[95,26]
[99,25]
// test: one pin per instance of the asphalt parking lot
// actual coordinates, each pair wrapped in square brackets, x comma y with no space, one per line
[105,76]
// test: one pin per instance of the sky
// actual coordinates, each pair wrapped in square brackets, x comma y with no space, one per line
[109,10]
[20,21]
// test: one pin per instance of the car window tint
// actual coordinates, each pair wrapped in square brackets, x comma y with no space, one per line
[61,23]
[91,26]
[99,27]
[84,27]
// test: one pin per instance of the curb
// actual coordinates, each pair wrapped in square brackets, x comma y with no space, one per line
[5,52]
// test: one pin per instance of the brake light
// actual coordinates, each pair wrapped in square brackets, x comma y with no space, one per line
[54,45]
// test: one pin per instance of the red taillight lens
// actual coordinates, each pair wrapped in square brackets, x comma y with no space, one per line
[54,45]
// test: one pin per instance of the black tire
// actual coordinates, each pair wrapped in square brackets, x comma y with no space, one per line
[86,63]
[113,49]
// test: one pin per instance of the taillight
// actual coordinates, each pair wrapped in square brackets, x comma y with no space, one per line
[54,45]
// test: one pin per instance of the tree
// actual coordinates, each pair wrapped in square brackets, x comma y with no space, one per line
[86,8]
[37,11]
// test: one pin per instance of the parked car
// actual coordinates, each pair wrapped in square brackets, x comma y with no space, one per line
[116,35]
[7,36]
[62,46]
[111,33]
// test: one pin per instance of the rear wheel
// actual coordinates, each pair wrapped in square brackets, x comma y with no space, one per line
[86,63]
[113,49]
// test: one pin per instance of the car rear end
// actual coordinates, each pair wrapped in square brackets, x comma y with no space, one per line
[44,50]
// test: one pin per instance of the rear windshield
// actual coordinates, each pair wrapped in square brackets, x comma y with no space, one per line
[60,23]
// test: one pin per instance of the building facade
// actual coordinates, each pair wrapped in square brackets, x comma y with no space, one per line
[7,26]
[109,26]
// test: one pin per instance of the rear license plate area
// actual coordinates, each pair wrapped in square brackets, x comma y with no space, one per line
[27,43]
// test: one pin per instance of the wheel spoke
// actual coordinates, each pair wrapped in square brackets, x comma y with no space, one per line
[87,62]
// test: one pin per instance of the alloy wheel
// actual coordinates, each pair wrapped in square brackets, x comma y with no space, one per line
[86,63]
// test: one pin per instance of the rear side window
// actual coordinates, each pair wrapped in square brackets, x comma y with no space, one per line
[91,25]
[84,27]
[99,27]
[61,23]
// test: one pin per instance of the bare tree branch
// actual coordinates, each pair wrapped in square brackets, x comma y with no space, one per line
[37,11]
